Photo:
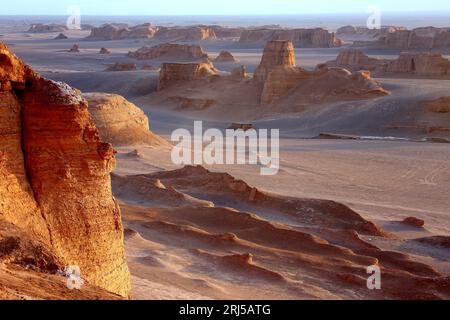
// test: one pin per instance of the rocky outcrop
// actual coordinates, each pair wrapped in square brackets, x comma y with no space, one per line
[227,32]
[407,64]
[425,38]
[355,60]
[364,33]
[191,33]
[276,53]
[420,64]
[75,49]
[104,51]
[170,51]
[441,105]
[54,175]
[46,28]
[239,72]
[61,36]
[122,31]
[122,67]
[310,38]
[225,56]
[119,121]
[414,222]
[173,73]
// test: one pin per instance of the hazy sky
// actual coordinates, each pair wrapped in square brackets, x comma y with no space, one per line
[214,7]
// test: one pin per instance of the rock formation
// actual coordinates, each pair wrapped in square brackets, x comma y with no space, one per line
[309,38]
[104,51]
[122,67]
[239,72]
[122,31]
[54,175]
[225,56]
[420,64]
[75,48]
[170,51]
[173,73]
[364,33]
[47,28]
[227,32]
[415,222]
[191,33]
[276,53]
[441,105]
[61,36]
[408,64]
[119,121]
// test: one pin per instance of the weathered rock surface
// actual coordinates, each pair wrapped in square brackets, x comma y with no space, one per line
[104,51]
[415,222]
[313,38]
[122,67]
[239,72]
[173,73]
[122,31]
[75,48]
[46,28]
[364,33]
[61,36]
[408,64]
[190,33]
[119,121]
[170,51]
[420,64]
[441,105]
[276,53]
[225,56]
[55,183]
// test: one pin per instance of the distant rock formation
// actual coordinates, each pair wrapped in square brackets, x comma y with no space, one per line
[414,222]
[364,33]
[227,32]
[170,51]
[276,53]
[239,72]
[61,36]
[441,105]
[225,56]
[173,73]
[122,31]
[119,121]
[122,67]
[47,28]
[104,51]
[190,33]
[75,48]
[408,64]
[307,38]
[54,175]
[420,64]
[419,39]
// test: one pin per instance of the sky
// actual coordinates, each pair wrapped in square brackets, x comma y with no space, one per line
[215,7]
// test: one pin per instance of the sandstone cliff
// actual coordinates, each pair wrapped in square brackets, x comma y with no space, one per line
[55,183]
[119,121]
[46,28]
[407,64]
[441,105]
[170,51]
[173,73]
[190,33]
[313,38]
[122,31]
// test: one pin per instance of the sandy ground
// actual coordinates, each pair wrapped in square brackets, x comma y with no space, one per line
[175,253]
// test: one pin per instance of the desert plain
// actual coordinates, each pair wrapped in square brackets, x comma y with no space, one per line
[356,159]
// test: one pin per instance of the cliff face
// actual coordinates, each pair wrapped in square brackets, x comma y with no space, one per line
[417,39]
[173,73]
[170,50]
[55,175]
[120,31]
[313,38]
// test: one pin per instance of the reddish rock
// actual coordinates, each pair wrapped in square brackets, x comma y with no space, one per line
[415,222]
[276,53]
[173,73]
[191,33]
[225,56]
[170,51]
[54,175]
[122,67]
[122,31]
[104,51]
